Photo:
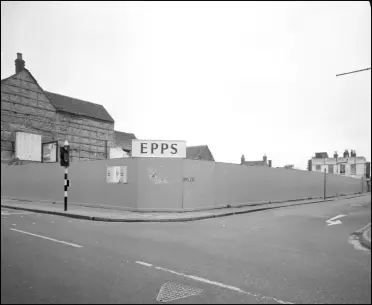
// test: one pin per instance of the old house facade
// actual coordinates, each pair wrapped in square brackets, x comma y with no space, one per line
[26,107]
[348,165]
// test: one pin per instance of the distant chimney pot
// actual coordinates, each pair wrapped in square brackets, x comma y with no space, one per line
[19,63]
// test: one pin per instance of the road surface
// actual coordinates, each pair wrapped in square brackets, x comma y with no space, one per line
[287,255]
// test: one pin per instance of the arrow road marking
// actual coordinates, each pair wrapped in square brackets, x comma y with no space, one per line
[332,221]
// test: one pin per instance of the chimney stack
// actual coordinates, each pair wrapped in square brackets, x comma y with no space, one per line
[19,63]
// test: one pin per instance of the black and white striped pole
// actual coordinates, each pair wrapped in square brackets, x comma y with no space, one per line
[66,186]
[325,184]
[65,161]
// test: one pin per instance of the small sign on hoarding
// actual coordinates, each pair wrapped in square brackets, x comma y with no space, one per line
[50,152]
[189,179]
[28,146]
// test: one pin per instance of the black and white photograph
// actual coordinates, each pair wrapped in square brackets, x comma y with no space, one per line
[186,152]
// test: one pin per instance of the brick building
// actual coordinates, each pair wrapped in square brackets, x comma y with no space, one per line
[26,107]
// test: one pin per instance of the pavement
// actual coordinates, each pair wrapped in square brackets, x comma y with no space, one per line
[112,215]
[366,237]
[303,254]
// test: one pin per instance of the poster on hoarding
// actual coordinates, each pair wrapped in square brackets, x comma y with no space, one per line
[116,174]
[50,152]
[28,146]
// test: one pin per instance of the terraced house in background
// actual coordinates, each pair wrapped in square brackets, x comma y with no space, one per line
[349,164]
[42,116]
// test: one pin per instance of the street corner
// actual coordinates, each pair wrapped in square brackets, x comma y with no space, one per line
[361,239]
[366,237]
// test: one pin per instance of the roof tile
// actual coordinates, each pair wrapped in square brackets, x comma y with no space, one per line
[123,140]
[79,107]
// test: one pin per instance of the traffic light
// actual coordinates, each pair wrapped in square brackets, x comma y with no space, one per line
[64,157]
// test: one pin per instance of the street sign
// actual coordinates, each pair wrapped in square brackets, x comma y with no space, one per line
[158,148]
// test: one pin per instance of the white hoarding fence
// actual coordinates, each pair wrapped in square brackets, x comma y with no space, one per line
[158,148]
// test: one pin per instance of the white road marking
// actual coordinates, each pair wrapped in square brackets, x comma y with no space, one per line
[143,264]
[332,221]
[172,291]
[200,279]
[48,238]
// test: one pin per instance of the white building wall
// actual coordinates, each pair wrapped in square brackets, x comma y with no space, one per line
[325,162]
[118,152]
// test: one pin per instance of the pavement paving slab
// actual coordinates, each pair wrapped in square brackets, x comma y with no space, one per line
[112,215]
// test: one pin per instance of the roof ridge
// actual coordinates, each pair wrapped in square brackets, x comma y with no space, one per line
[123,132]
[198,146]
[74,98]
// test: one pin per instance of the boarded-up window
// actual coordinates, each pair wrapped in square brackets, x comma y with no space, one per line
[28,146]
[353,169]
[330,169]
[342,169]
[317,167]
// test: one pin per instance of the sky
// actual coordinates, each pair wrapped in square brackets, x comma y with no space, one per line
[248,78]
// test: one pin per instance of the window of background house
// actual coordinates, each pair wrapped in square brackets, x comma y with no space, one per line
[342,169]
[330,169]
[353,169]
[317,167]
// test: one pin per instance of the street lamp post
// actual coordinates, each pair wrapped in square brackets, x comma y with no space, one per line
[325,183]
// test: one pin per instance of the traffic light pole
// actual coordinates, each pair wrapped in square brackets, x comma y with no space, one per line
[66,186]
[325,184]
[65,162]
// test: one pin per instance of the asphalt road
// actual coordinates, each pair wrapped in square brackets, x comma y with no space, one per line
[274,256]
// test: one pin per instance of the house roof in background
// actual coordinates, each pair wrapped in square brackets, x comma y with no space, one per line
[72,105]
[79,107]
[123,140]
[196,152]
[14,75]
[321,155]
[254,163]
